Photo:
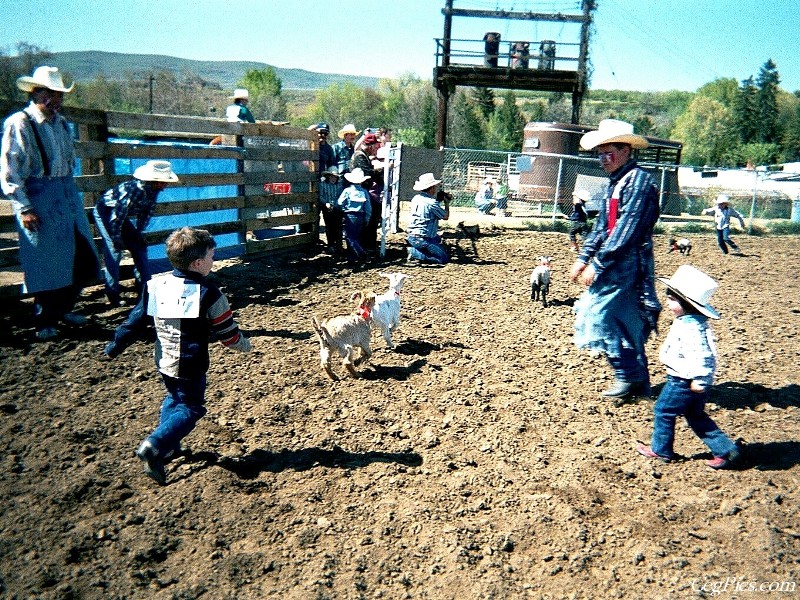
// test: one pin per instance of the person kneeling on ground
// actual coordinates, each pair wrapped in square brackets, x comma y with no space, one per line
[424,241]
[484,198]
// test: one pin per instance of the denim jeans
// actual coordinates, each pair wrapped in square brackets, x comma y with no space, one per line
[427,249]
[182,408]
[132,240]
[353,231]
[675,400]
[630,366]
[723,238]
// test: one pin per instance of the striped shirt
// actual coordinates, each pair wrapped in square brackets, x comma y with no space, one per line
[182,344]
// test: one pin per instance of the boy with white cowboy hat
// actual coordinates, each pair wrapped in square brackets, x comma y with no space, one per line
[343,149]
[619,310]
[723,211]
[121,216]
[36,173]
[238,111]
[354,202]
[424,242]
[690,356]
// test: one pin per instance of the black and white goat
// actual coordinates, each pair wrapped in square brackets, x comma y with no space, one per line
[683,245]
[540,280]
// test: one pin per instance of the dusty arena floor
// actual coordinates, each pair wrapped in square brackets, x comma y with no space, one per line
[475,461]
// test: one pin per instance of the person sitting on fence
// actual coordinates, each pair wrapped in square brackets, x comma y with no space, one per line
[330,188]
[424,242]
[484,197]
[37,164]
[122,214]
[238,111]
[355,203]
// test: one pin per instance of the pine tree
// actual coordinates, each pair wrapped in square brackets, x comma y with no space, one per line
[484,100]
[745,111]
[768,127]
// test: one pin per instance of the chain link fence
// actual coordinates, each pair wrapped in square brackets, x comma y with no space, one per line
[540,183]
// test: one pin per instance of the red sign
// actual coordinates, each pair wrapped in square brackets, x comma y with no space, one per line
[278,188]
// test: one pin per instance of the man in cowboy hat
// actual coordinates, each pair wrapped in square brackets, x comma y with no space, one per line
[36,173]
[344,148]
[122,214]
[424,242]
[620,308]
[238,111]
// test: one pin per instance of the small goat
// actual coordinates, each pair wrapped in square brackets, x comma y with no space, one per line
[683,245]
[540,280]
[471,232]
[386,312]
[344,334]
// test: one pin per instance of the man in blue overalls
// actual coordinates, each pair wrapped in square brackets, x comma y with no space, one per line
[36,173]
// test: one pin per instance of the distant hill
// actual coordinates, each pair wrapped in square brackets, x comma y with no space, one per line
[88,65]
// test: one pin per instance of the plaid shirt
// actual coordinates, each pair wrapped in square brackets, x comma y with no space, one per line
[133,200]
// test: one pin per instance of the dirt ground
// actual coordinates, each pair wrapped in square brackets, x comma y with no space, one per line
[477,460]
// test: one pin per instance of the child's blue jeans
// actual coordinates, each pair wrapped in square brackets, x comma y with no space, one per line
[182,408]
[675,400]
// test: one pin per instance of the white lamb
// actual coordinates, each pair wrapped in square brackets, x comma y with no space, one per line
[385,315]
[540,280]
[344,334]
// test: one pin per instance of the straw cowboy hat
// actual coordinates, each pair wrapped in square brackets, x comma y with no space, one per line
[349,128]
[612,131]
[240,94]
[156,170]
[694,286]
[356,176]
[581,196]
[44,77]
[723,199]
[425,181]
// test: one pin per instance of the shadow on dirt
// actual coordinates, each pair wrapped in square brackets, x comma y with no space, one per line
[733,395]
[259,461]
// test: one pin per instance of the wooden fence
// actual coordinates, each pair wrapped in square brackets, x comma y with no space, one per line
[273,207]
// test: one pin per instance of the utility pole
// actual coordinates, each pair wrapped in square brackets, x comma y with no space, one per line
[152,79]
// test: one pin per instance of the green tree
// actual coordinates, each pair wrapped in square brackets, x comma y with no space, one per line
[484,100]
[767,82]
[342,103]
[724,90]
[745,111]
[506,125]
[465,128]
[706,130]
[266,99]
[791,138]
[27,58]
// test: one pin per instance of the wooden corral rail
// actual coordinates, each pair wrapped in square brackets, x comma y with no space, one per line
[264,154]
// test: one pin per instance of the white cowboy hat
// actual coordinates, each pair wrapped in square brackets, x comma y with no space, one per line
[611,131]
[581,196]
[240,94]
[44,77]
[723,199]
[489,180]
[357,175]
[425,181]
[156,170]
[694,286]
[349,128]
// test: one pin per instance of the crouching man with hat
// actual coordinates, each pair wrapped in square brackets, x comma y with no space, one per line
[37,160]
[619,310]
[121,216]
[424,242]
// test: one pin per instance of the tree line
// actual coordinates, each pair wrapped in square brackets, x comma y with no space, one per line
[725,123]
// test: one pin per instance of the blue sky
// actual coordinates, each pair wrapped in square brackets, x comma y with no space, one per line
[637,44]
